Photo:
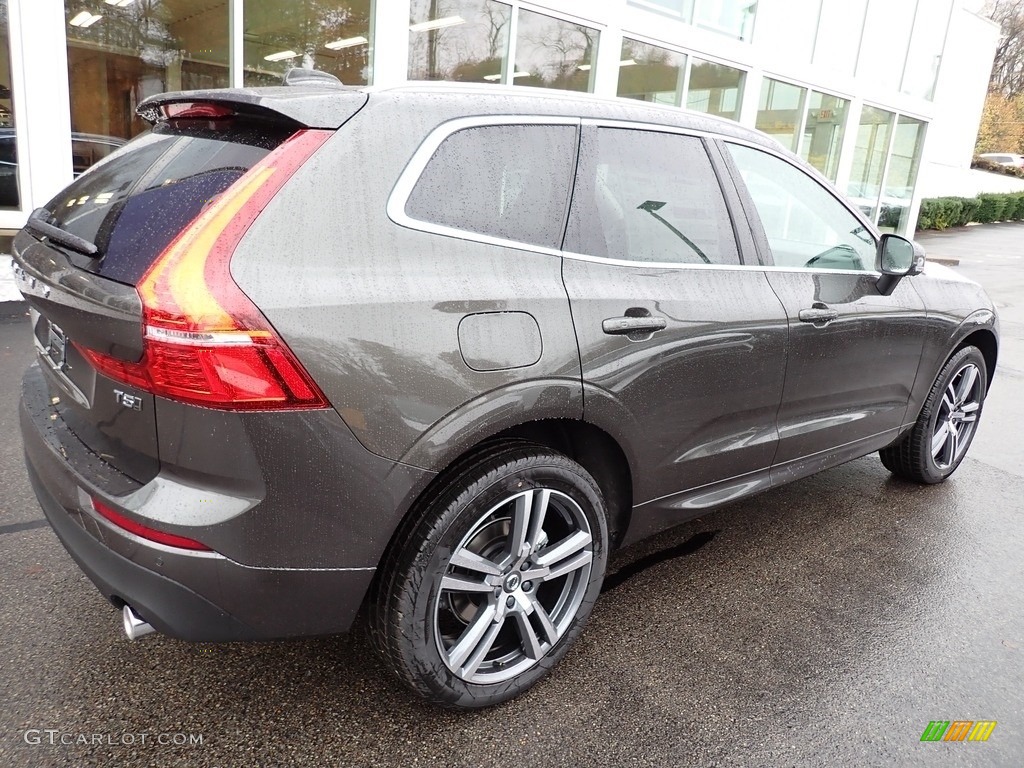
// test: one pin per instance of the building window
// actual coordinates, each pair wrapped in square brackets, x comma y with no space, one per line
[463,40]
[884,54]
[873,135]
[839,32]
[823,132]
[715,89]
[119,55]
[734,18]
[780,111]
[552,53]
[926,49]
[904,160]
[329,35]
[9,191]
[651,73]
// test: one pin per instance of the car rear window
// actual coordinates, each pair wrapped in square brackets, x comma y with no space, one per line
[136,201]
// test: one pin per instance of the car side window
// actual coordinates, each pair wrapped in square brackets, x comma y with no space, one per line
[507,181]
[648,196]
[805,225]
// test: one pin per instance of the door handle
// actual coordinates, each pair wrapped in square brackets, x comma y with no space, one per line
[818,315]
[621,326]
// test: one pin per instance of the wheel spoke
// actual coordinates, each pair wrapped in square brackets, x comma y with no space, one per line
[538,513]
[520,524]
[970,407]
[939,440]
[569,565]
[563,549]
[550,633]
[482,649]
[471,561]
[531,645]
[949,400]
[954,443]
[471,638]
[455,583]
[967,379]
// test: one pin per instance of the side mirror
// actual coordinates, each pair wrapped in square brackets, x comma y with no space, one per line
[897,258]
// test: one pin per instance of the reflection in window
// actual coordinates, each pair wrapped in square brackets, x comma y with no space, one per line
[329,35]
[873,136]
[715,89]
[823,132]
[551,53]
[839,32]
[518,192]
[734,18]
[463,40]
[650,197]
[651,73]
[805,225]
[120,55]
[926,49]
[884,55]
[904,159]
[9,197]
[780,111]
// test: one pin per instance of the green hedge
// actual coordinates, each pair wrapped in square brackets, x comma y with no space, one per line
[945,212]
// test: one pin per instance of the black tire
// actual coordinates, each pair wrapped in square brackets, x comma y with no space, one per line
[913,457]
[415,624]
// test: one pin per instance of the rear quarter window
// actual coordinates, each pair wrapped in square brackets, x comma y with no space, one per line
[506,181]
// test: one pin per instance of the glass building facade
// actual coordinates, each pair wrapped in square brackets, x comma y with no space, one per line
[845,84]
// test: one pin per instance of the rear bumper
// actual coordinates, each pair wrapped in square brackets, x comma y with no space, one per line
[197,596]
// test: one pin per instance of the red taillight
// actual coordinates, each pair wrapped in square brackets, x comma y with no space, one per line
[204,341]
[145,532]
[196,110]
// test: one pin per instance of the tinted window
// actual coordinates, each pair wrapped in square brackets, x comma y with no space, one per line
[806,225]
[507,181]
[648,196]
[133,203]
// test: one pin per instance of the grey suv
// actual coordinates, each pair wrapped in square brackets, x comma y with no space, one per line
[435,351]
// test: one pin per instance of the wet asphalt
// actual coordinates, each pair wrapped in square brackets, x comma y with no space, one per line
[823,623]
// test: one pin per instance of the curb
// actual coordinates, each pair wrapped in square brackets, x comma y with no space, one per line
[945,262]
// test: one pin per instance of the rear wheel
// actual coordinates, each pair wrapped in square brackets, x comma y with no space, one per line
[939,440]
[487,592]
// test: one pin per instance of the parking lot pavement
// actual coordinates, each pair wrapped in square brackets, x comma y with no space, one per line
[823,623]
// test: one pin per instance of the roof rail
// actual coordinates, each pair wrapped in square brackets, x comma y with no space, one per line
[300,76]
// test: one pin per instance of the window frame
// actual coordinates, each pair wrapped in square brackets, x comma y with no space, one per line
[754,218]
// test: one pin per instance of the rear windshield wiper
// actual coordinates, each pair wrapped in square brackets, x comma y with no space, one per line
[39,223]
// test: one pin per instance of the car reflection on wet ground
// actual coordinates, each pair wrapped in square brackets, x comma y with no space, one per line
[826,622]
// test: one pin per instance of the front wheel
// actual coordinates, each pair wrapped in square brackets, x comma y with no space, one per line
[943,432]
[487,592]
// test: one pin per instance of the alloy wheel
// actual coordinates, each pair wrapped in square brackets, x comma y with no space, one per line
[957,417]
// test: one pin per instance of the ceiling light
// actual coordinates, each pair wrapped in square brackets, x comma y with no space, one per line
[627,63]
[119,3]
[522,74]
[583,67]
[348,42]
[447,21]
[492,78]
[85,19]
[280,56]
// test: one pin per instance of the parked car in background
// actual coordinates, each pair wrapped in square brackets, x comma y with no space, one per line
[1004,158]
[86,149]
[435,351]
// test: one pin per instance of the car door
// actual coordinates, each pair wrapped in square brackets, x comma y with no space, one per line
[682,346]
[854,352]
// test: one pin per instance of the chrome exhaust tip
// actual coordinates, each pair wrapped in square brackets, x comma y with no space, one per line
[134,625]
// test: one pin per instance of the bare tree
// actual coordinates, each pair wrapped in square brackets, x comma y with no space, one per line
[1008,66]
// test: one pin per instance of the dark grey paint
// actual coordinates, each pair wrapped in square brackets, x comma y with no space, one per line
[301,506]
